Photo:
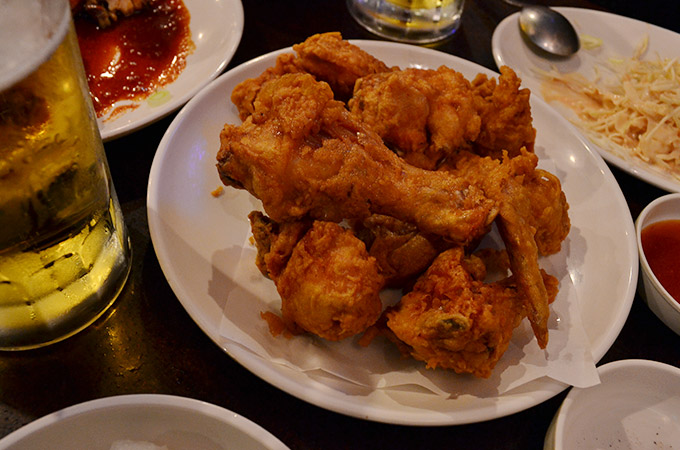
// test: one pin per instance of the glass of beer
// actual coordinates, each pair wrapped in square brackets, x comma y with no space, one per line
[412,21]
[64,249]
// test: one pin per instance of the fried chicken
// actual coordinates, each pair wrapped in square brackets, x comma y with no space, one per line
[401,250]
[303,155]
[337,62]
[452,320]
[418,164]
[107,12]
[424,115]
[275,242]
[328,283]
[528,202]
[428,115]
[325,56]
[506,115]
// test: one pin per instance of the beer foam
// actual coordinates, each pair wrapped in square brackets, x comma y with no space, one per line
[30,31]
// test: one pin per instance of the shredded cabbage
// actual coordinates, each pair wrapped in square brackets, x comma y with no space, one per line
[636,112]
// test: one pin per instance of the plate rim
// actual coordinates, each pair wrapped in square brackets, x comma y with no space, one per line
[235,8]
[196,406]
[546,388]
[635,168]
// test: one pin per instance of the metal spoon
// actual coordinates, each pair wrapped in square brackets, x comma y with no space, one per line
[547,29]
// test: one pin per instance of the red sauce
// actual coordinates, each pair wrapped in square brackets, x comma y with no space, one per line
[135,55]
[661,244]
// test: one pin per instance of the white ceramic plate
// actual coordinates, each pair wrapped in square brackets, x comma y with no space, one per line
[162,420]
[199,241]
[635,406]
[620,36]
[216,29]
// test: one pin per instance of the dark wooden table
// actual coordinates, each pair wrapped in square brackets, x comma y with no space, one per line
[147,343]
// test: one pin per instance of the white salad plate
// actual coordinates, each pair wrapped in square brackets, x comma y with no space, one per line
[201,239]
[147,421]
[619,37]
[216,29]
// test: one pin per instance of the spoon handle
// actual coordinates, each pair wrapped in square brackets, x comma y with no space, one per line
[516,3]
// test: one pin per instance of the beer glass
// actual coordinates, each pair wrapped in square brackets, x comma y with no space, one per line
[64,249]
[412,21]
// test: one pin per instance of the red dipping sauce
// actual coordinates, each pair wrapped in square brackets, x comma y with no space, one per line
[135,55]
[661,244]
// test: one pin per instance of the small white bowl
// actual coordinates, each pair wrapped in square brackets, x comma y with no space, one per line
[636,405]
[657,297]
[145,419]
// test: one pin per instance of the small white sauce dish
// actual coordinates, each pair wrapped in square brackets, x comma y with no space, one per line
[657,297]
[142,421]
[636,405]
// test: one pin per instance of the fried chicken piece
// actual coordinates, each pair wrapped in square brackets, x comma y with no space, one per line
[427,115]
[337,62]
[243,95]
[453,321]
[401,250]
[547,209]
[539,197]
[424,115]
[330,285]
[505,113]
[303,155]
[325,56]
[107,12]
[274,242]
[528,202]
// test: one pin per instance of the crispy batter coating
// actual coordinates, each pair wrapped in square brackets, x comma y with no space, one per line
[337,62]
[453,321]
[428,115]
[325,56]
[303,155]
[330,285]
[274,242]
[401,250]
[528,205]
[547,209]
[424,115]
[506,115]
[243,95]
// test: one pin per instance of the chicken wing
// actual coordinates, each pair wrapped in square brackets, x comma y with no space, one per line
[528,201]
[303,155]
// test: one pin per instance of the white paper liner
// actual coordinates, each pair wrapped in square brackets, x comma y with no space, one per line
[566,359]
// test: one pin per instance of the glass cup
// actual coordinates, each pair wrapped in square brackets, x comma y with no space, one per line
[64,249]
[413,21]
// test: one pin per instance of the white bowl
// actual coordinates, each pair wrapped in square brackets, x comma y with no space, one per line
[161,420]
[657,297]
[636,405]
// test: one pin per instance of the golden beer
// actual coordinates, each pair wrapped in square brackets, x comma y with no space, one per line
[64,251]
[416,21]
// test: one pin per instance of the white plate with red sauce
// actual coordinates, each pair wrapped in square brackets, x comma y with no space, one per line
[216,28]
[200,241]
[619,38]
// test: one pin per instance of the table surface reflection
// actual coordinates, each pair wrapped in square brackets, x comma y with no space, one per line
[147,343]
